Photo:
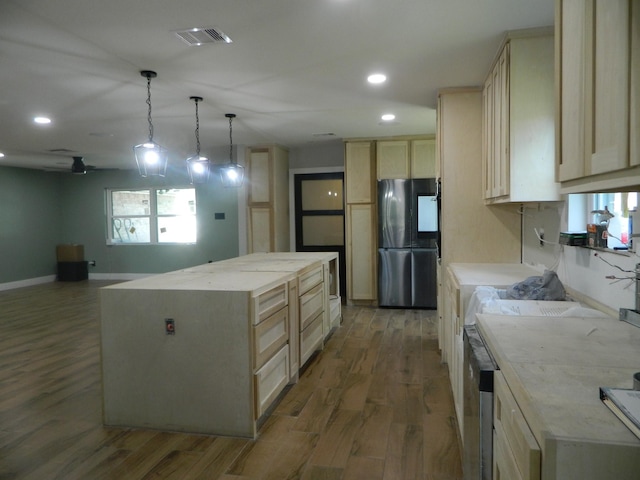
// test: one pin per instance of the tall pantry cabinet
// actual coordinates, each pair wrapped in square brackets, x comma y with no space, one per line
[267,199]
[472,232]
[361,236]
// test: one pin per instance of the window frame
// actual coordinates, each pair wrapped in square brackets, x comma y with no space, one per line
[581,205]
[152,216]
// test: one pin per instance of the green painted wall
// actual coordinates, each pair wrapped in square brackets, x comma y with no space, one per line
[39,210]
[30,223]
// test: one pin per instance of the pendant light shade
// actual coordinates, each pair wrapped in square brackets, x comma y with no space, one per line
[198,166]
[150,157]
[78,167]
[231,174]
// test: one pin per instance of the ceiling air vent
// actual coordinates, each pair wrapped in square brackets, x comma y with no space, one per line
[200,36]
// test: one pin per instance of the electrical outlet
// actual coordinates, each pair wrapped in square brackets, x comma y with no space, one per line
[169,326]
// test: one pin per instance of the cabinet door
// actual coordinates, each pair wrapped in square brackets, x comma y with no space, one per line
[496,128]
[573,37]
[423,158]
[611,86]
[488,150]
[260,230]
[259,185]
[500,125]
[504,156]
[359,171]
[634,104]
[294,332]
[392,159]
[361,258]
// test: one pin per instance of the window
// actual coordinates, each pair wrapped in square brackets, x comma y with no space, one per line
[151,216]
[583,208]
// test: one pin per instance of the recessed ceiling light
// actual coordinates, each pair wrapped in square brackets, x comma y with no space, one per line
[377,78]
[42,120]
[387,117]
[1,155]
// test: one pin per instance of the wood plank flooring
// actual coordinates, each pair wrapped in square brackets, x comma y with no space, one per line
[374,404]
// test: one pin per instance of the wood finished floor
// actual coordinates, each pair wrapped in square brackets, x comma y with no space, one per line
[374,404]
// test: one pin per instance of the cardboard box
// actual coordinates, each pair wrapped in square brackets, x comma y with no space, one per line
[573,238]
[70,253]
[597,235]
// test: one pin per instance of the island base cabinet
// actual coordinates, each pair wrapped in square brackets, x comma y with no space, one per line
[271,379]
[196,380]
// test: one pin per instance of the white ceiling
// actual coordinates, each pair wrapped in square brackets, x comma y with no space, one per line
[294,73]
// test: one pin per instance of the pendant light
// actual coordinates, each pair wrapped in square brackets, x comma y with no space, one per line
[232,174]
[198,166]
[150,157]
[78,167]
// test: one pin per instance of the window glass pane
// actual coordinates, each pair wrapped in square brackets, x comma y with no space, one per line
[177,201]
[130,230]
[321,194]
[323,230]
[130,202]
[180,229]
[618,205]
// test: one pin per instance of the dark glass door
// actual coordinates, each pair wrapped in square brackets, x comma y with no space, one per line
[319,216]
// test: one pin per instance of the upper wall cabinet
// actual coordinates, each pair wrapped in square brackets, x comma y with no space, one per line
[598,89]
[359,170]
[518,121]
[406,158]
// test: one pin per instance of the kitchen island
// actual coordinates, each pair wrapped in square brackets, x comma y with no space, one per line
[547,396]
[209,349]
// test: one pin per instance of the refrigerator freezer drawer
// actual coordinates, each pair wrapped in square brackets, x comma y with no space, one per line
[423,278]
[394,277]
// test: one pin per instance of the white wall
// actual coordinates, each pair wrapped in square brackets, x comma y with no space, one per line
[581,269]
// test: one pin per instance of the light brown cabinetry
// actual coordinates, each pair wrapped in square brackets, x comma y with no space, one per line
[598,91]
[405,159]
[454,349]
[361,235]
[516,454]
[518,121]
[267,199]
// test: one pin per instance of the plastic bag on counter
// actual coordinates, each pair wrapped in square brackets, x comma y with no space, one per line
[545,287]
[482,299]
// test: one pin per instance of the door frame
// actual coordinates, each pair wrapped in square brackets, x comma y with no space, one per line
[292,196]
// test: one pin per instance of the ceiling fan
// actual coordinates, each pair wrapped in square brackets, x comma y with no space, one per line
[78,167]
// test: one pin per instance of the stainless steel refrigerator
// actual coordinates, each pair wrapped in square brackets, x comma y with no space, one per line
[408,242]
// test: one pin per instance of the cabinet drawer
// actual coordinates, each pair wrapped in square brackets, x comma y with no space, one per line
[309,279]
[269,336]
[512,431]
[311,304]
[504,465]
[271,379]
[269,302]
[310,339]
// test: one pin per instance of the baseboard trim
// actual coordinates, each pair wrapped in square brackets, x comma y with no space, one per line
[29,282]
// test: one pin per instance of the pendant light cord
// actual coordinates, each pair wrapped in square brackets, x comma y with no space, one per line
[149,103]
[197,129]
[230,140]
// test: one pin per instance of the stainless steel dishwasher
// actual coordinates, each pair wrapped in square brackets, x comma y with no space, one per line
[478,406]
